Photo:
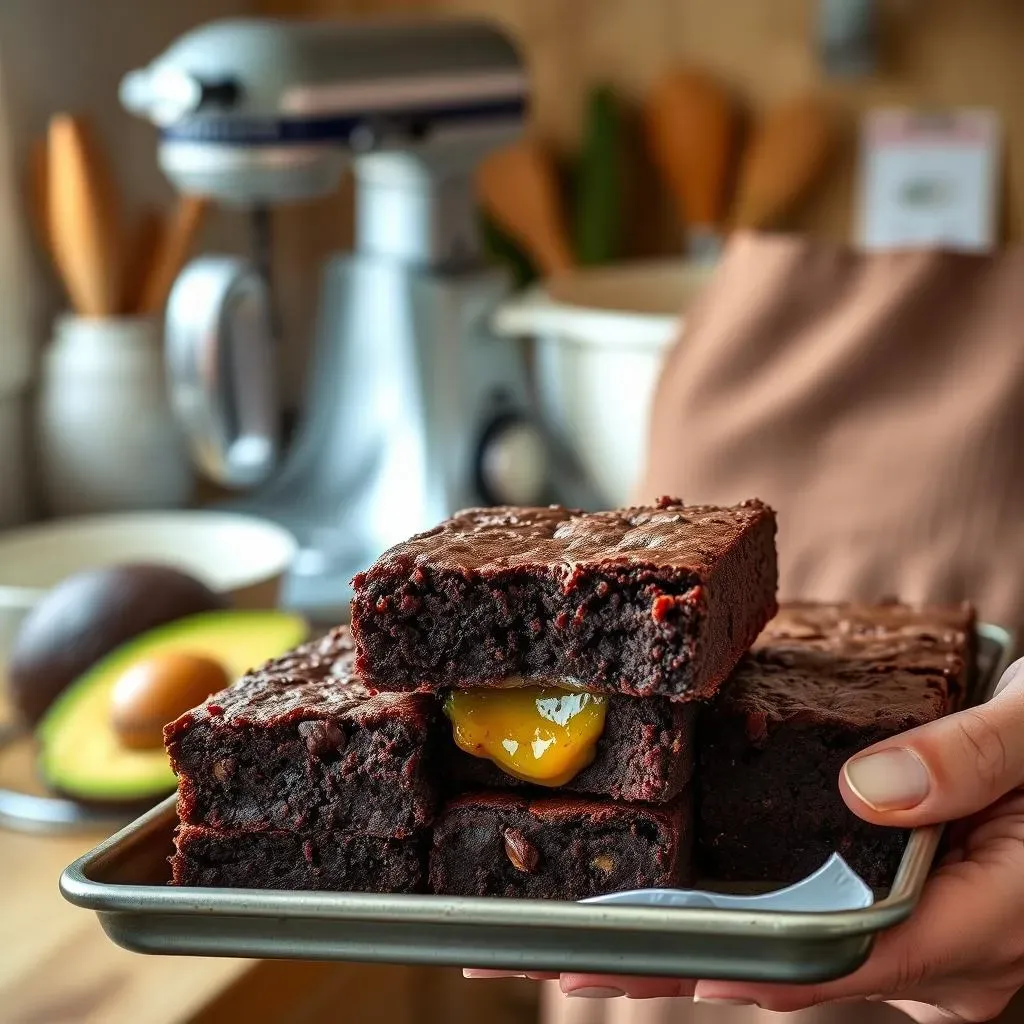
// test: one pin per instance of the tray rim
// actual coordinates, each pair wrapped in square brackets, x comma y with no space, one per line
[79,886]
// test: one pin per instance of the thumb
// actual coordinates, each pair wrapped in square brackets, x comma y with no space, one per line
[946,770]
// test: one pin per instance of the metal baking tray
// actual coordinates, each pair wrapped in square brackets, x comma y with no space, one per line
[124,881]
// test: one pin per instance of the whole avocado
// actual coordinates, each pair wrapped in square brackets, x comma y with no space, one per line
[87,616]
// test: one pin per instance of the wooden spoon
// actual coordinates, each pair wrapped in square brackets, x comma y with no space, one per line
[176,240]
[692,127]
[787,155]
[518,187]
[83,217]
[143,247]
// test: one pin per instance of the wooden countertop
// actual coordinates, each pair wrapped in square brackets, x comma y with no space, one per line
[56,964]
[58,967]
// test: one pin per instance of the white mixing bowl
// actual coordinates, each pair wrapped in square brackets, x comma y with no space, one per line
[242,557]
[601,337]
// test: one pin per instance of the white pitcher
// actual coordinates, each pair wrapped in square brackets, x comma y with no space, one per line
[106,436]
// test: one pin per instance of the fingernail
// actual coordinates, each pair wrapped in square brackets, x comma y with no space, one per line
[596,992]
[1011,675]
[473,972]
[722,1001]
[891,780]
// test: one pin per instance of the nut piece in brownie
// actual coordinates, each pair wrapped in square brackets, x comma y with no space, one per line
[333,861]
[642,752]
[773,742]
[302,744]
[567,848]
[643,601]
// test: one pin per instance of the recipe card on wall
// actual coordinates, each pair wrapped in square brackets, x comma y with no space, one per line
[929,179]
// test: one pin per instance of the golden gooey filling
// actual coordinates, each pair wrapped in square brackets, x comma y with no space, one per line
[540,734]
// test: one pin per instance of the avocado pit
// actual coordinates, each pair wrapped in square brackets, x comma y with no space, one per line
[156,690]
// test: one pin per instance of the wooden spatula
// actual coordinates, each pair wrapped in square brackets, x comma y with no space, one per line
[143,246]
[83,217]
[517,186]
[692,127]
[175,241]
[787,155]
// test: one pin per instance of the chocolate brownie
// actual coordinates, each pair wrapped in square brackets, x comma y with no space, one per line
[935,638]
[336,861]
[568,848]
[642,601]
[302,744]
[773,742]
[645,754]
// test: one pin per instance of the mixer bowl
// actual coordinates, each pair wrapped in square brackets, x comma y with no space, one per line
[601,336]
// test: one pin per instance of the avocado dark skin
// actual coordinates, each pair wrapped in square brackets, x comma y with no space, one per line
[87,616]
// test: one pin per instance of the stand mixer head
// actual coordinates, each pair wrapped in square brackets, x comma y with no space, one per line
[256,111]
[415,408]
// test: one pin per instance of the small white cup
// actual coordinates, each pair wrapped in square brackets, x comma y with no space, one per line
[106,436]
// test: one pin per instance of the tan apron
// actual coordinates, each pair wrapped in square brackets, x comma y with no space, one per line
[877,402]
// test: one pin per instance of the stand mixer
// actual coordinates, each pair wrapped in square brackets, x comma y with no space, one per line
[414,407]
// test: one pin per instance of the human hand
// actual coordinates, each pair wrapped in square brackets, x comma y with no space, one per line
[960,956]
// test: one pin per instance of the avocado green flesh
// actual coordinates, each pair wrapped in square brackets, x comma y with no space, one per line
[81,754]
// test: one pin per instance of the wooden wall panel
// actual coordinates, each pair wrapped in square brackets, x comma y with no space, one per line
[935,52]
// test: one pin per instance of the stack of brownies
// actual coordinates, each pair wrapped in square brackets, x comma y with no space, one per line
[522,703]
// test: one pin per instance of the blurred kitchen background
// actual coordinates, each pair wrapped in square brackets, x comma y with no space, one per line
[653,128]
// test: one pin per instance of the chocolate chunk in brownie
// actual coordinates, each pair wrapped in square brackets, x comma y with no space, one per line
[645,755]
[566,848]
[302,744]
[642,601]
[335,861]
[772,744]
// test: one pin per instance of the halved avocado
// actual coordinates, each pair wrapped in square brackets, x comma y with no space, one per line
[80,752]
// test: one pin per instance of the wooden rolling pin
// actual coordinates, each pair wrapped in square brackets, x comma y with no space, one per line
[692,127]
[518,187]
[83,218]
[787,155]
